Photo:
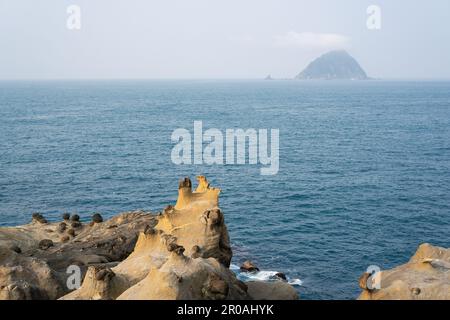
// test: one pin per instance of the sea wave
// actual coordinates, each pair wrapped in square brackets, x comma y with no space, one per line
[263,275]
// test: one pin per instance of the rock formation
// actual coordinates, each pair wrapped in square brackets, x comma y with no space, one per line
[248,266]
[182,253]
[34,258]
[425,277]
[333,65]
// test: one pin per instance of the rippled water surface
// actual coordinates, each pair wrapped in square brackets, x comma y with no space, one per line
[364,166]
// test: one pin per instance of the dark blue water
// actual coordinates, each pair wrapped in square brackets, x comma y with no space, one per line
[364,166]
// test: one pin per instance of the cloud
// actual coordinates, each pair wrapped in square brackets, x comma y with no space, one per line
[312,40]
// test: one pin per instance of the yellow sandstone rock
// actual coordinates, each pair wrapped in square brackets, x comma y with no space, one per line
[425,277]
[183,253]
[186,255]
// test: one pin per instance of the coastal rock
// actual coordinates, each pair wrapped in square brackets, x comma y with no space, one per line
[26,278]
[45,244]
[76,225]
[97,218]
[62,227]
[281,276]
[37,217]
[41,274]
[425,277]
[185,254]
[187,279]
[16,249]
[182,253]
[248,266]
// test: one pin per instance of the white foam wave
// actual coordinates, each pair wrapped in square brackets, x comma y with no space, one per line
[264,275]
[234,267]
[295,282]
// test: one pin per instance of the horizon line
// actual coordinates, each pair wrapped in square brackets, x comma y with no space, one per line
[220,79]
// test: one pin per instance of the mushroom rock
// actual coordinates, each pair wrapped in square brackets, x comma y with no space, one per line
[76,225]
[100,283]
[62,227]
[45,244]
[425,277]
[37,217]
[97,218]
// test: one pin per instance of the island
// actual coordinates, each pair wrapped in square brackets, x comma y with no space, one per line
[334,65]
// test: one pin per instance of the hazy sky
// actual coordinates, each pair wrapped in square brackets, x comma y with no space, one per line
[219,38]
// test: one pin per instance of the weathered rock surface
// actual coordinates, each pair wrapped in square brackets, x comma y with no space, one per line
[34,258]
[425,277]
[182,253]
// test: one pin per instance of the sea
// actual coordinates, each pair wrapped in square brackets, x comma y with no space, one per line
[363,180]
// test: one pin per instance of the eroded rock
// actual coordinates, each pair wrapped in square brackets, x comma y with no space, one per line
[45,244]
[39,218]
[62,227]
[425,277]
[39,272]
[184,253]
[97,218]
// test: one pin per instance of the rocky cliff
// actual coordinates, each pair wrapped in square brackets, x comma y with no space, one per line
[181,253]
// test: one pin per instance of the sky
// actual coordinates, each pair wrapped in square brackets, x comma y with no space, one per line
[179,39]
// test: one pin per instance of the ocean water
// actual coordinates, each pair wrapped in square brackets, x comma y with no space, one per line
[364,166]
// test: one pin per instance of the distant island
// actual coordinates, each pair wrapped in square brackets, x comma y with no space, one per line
[333,65]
